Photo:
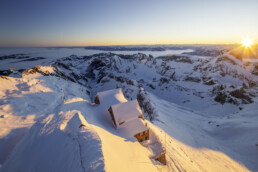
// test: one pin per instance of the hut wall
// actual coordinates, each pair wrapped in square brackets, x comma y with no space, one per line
[112,116]
[162,158]
[96,100]
[142,136]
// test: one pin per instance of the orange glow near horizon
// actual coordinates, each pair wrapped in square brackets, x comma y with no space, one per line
[162,40]
[246,51]
[123,40]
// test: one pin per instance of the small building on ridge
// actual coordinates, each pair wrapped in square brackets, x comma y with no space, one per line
[110,97]
[123,112]
[127,116]
[135,128]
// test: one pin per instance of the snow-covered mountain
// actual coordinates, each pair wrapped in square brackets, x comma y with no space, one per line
[195,82]
[201,109]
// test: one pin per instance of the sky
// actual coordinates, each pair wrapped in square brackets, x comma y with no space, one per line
[126,22]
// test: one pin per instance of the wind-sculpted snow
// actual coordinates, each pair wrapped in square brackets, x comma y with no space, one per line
[60,142]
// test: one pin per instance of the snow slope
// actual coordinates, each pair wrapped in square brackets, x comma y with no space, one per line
[96,146]
[58,144]
[218,89]
[56,136]
[192,144]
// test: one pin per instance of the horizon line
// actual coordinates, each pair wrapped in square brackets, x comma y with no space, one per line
[80,46]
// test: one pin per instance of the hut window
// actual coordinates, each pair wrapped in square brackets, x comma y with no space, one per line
[146,138]
[144,133]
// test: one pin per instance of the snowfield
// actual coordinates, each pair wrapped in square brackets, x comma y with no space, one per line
[202,110]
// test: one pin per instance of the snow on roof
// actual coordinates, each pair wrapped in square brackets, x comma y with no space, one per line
[111,97]
[133,127]
[126,111]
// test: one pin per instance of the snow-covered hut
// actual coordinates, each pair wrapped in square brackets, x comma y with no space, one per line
[135,128]
[110,97]
[123,112]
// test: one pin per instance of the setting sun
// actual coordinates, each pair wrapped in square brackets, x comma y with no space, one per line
[247,42]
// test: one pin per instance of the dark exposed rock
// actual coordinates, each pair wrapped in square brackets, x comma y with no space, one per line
[5,72]
[222,96]
[57,73]
[96,64]
[77,77]
[225,58]
[164,80]
[198,94]
[222,87]
[173,76]
[62,65]
[205,78]
[185,101]
[241,94]
[255,70]
[252,83]
[127,57]
[129,81]
[60,74]
[14,56]
[29,59]
[210,82]
[151,86]
[192,79]
[244,86]
[117,78]
[11,71]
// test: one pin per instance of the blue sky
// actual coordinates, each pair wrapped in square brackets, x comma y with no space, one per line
[121,22]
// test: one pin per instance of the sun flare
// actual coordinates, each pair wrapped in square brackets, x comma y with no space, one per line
[247,42]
